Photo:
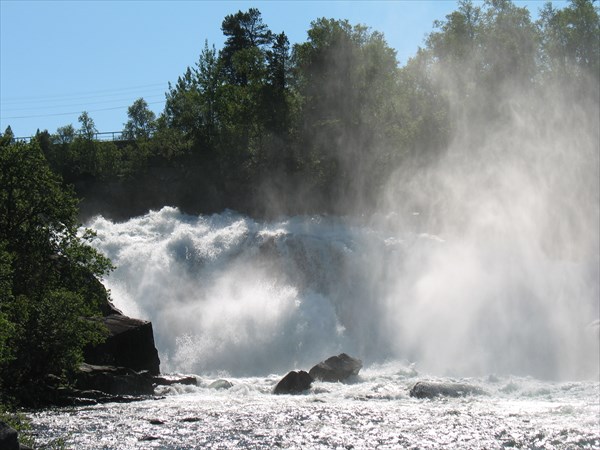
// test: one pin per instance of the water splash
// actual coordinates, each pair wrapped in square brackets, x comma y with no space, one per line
[228,294]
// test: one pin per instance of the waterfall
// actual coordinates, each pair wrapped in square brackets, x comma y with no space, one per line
[228,294]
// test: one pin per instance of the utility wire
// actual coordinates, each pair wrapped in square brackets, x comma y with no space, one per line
[33,108]
[84,93]
[73,112]
[136,92]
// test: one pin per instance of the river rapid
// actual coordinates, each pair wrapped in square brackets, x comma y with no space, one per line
[372,411]
[234,298]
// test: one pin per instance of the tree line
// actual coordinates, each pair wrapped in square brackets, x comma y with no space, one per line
[333,116]
[317,126]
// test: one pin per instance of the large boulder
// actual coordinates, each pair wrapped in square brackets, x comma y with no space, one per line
[130,343]
[432,389]
[294,383]
[336,368]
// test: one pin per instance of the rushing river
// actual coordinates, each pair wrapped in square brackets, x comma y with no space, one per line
[373,411]
[231,297]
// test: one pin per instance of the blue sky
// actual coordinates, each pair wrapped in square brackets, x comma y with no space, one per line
[60,58]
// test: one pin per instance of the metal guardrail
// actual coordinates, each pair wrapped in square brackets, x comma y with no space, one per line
[100,136]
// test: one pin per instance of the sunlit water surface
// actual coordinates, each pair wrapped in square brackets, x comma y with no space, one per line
[230,297]
[372,411]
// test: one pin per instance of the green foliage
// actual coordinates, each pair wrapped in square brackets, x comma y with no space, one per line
[245,32]
[334,116]
[323,125]
[19,422]
[48,274]
[570,39]
[347,77]
[141,121]
[7,137]
[88,127]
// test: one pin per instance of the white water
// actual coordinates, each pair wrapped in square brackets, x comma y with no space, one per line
[232,297]
[372,411]
[229,295]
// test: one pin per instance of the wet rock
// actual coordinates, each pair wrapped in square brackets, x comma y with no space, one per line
[163,381]
[294,383]
[190,419]
[130,343]
[336,368]
[220,384]
[432,389]
[114,380]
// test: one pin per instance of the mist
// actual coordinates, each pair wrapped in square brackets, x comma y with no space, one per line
[515,286]
[444,214]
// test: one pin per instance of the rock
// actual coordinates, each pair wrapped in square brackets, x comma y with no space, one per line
[8,437]
[336,368]
[294,382]
[431,389]
[220,384]
[162,381]
[156,422]
[130,344]
[190,419]
[114,380]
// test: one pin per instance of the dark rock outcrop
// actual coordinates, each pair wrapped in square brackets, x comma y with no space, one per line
[336,368]
[114,380]
[294,383]
[432,389]
[130,344]
[9,438]
[163,381]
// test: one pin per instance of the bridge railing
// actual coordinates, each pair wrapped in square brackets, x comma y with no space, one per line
[99,136]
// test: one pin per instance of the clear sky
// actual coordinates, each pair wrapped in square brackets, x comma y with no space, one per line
[58,58]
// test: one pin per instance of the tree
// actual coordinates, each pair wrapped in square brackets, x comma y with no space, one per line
[347,78]
[88,128]
[64,135]
[183,105]
[243,30]
[84,149]
[8,136]
[275,101]
[570,42]
[48,273]
[141,121]
[209,78]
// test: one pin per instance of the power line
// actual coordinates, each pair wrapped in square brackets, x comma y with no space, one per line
[84,93]
[136,93]
[33,108]
[72,112]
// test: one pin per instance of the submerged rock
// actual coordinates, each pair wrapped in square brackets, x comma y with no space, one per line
[220,384]
[432,389]
[294,383]
[336,368]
